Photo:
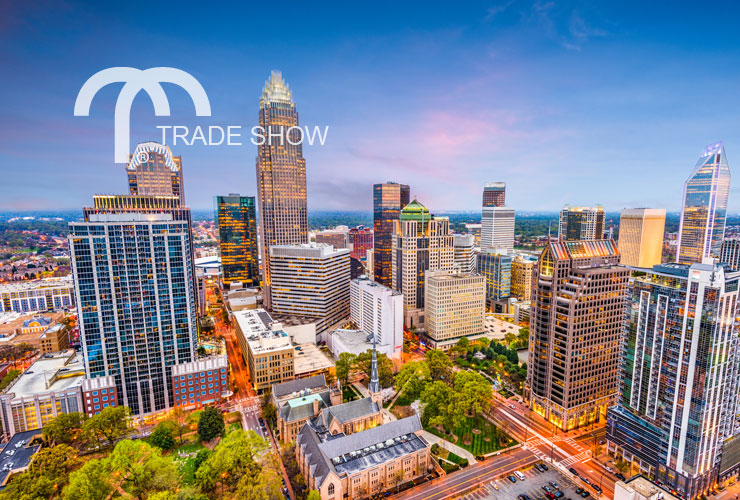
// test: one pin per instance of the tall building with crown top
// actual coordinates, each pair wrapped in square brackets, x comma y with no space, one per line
[281,175]
[704,209]
[421,243]
[152,170]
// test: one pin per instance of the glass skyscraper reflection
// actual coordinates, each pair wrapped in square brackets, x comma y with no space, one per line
[675,419]
[388,200]
[134,283]
[704,207]
[237,229]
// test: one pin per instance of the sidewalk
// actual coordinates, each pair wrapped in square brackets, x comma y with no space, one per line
[387,415]
[431,438]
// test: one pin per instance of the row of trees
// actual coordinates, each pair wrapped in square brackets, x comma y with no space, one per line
[80,432]
[348,364]
[496,359]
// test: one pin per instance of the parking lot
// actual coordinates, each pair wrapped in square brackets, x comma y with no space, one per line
[532,486]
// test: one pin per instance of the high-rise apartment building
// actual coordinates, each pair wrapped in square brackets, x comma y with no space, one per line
[237,239]
[454,306]
[136,305]
[361,240]
[729,253]
[494,194]
[281,175]
[421,243]
[464,255]
[581,223]
[675,421]
[495,267]
[704,207]
[576,330]
[388,200]
[378,310]
[497,228]
[152,170]
[311,280]
[641,232]
[522,270]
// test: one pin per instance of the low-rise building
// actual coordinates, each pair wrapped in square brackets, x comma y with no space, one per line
[37,295]
[99,393]
[203,381]
[54,339]
[362,464]
[641,488]
[299,400]
[17,454]
[265,347]
[355,342]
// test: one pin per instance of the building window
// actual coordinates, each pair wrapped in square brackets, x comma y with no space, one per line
[330,490]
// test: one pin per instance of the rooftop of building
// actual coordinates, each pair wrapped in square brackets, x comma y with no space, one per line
[582,249]
[645,488]
[308,358]
[12,322]
[201,365]
[365,281]
[52,372]
[17,453]
[312,250]
[133,217]
[261,332]
[347,412]
[294,386]
[348,454]
[18,286]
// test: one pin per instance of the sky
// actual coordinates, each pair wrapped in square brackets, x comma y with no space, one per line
[581,102]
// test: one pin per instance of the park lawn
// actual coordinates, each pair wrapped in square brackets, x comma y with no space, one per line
[487,441]
[186,465]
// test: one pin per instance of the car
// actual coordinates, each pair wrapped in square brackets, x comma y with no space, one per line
[544,466]
[519,475]
[620,476]
[559,494]
[579,490]
[546,488]
[495,486]
[585,480]
[512,407]
[585,494]
[549,495]
[609,469]
[511,478]
[602,442]
[553,484]
[573,471]
[597,488]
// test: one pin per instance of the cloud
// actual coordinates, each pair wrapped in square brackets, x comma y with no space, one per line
[497,9]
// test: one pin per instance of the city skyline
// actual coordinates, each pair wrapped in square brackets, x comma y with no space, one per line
[524,55]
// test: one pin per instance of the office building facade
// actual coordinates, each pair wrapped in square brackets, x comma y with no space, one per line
[334,237]
[421,243]
[281,176]
[704,209]
[495,267]
[361,240]
[641,232]
[494,194]
[463,245]
[522,270]
[497,228]
[237,239]
[455,306]
[675,418]
[729,252]
[311,280]
[388,200]
[378,310]
[581,224]
[136,306]
[576,331]
[152,170]
[37,296]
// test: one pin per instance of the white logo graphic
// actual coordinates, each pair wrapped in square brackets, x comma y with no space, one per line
[136,80]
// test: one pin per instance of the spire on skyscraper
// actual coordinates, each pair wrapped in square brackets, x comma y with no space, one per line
[276,89]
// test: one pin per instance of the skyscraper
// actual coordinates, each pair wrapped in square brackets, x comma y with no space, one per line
[704,207]
[576,330]
[311,280]
[581,223]
[454,306]
[152,170]
[237,243]
[494,194]
[729,253]
[378,310]
[421,242]
[388,200]
[361,240]
[641,232]
[281,175]
[522,269]
[464,255]
[134,285]
[675,419]
[495,266]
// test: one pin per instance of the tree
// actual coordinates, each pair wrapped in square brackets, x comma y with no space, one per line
[65,428]
[412,378]
[440,366]
[46,475]
[344,366]
[178,417]
[364,363]
[313,495]
[269,413]
[622,465]
[211,424]
[509,338]
[109,425]
[436,398]
[89,482]
[471,395]
[162,437]
[142,469]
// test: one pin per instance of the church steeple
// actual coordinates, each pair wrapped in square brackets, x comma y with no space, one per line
[374,386]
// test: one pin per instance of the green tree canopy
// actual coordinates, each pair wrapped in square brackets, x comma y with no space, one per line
[47,474]
[211,424]
[65,428]
[163,435]
[412,378]
[344,366]
[110,425]
[440,366]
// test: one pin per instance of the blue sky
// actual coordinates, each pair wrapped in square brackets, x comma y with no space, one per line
[568,102]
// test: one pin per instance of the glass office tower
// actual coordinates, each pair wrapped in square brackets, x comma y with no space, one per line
[237,229]
[281,175]
[675,419]
[581,223]
[388,200]
[704,207]
[136,305]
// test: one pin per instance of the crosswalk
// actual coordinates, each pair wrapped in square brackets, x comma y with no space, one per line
[580,457]
[583,454]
